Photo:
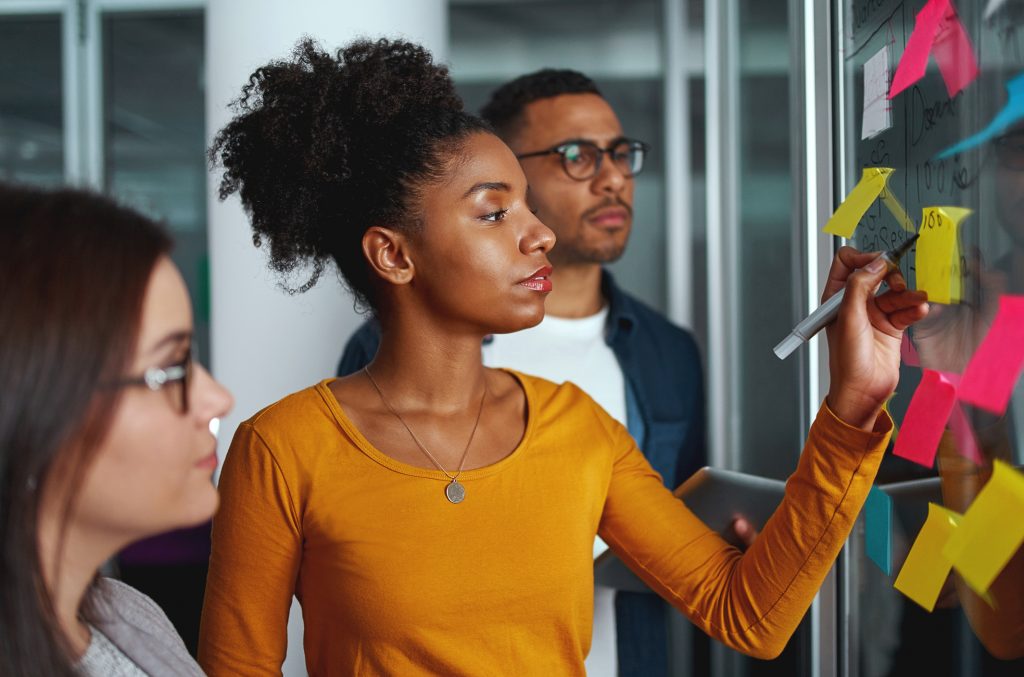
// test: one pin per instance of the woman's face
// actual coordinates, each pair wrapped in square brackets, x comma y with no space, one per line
[481,258]
[154,470]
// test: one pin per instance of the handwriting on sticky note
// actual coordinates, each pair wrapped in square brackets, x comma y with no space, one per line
[938,31]
[1011,113]
[878,529]
[926,568]
[877,109]
[991,530]
[938,254]
[995,367]
[926,418]
[846,217]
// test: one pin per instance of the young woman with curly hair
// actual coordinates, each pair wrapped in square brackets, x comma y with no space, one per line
[431,515]
[104,432]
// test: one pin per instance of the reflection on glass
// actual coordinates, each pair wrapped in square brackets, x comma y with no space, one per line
[154,133]
[31,100]
[964,634]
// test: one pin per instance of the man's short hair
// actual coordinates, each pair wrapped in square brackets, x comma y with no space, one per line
[504,110]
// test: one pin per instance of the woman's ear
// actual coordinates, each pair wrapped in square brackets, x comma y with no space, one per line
[388,253]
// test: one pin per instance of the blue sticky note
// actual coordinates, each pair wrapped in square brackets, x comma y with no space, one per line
[1012,113]
[878,529]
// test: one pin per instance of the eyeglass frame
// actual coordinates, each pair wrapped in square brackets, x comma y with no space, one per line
[560,150]
[155,378]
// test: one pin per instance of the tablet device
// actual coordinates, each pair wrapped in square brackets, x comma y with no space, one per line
[717,497]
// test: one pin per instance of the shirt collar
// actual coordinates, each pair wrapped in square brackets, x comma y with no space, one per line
[621,316]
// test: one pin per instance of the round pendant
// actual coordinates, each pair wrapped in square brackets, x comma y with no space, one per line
[455,492]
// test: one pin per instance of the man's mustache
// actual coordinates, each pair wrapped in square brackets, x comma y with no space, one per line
[609,202]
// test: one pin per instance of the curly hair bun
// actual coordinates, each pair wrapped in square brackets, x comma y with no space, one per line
[324,146]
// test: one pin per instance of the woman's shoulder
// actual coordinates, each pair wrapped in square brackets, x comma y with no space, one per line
[552,400]
[300,409]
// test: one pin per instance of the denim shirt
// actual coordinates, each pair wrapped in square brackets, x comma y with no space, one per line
[661,366]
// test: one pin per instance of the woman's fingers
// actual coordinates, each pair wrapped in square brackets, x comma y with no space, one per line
[847,260]
[893,300]
[901,319]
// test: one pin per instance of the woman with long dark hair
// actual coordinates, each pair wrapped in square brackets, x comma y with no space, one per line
[104,432]
[436,517]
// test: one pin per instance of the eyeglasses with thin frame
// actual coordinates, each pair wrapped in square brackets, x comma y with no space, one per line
[581,159]
[156,378]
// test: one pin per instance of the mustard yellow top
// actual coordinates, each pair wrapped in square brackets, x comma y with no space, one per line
[395,580]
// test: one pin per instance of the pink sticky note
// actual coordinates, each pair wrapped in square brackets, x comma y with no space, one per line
[908,353]
[954,53]
[963,435]
[926,418]
[995,367]
[914,62]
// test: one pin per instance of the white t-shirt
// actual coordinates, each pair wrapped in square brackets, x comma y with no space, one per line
[561,349]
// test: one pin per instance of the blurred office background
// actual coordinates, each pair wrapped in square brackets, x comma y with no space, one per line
[736,97]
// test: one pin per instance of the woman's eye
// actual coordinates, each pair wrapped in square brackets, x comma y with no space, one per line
[496,216]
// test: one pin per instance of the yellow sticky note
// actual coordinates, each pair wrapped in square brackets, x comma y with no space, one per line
[846,217]
[938,254]
[926,568]
[991,530]
[895,207]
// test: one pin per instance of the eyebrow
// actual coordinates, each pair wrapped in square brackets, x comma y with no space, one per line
[174,337]
[617,140]
[487,185]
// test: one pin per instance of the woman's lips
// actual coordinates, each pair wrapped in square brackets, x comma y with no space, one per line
[539,281]
[208,462]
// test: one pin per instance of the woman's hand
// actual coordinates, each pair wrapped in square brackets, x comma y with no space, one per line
[864,341]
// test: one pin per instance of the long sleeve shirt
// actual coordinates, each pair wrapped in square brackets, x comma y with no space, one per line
[394,579]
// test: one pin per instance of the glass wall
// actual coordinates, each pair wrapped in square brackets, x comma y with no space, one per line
[31,99]
[970,200]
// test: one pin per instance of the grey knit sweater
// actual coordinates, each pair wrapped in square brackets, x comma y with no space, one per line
[141,630]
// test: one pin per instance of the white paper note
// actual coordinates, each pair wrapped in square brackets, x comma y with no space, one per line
[877,107]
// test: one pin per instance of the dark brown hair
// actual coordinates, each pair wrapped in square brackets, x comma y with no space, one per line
[324,146]
[74,269]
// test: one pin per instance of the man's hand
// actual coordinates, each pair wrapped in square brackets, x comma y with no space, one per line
[744,532]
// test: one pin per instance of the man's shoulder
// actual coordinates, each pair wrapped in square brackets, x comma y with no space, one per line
[652,322]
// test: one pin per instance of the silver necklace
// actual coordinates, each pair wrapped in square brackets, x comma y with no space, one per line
[454,491]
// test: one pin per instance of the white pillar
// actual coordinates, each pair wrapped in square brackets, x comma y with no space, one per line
[265,343]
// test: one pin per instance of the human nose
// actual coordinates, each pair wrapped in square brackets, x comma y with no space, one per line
[537,237]
[609,177]
[209,398]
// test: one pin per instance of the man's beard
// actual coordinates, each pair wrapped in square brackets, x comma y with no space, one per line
[578,251]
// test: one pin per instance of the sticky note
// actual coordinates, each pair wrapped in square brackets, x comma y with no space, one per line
[938,254]
[895,208]
[990,531]
[954,53]
[926,568]
[1012,113]
[877,109]
[878,529]
[963,435]
[995,366]
[846,217]
[926,418]
[908,353]
[938,31]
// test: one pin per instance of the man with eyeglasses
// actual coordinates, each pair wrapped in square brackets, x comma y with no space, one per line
[643,370]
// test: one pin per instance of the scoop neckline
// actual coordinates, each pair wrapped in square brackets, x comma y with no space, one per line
[365,446]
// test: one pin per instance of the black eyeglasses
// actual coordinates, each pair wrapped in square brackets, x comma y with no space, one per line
[155,378]
[581,160]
